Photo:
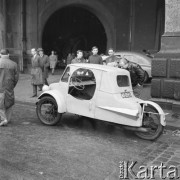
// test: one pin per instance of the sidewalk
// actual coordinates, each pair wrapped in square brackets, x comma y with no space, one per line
[24,90]
[23,93]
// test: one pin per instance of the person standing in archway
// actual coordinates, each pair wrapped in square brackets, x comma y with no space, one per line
[69,58]
[79,58]
[53,61]
[44,62]
[112,58]
[95,58]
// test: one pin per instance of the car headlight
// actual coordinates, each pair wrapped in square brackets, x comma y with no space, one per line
[45,88]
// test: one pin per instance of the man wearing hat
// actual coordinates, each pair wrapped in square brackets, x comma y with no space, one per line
[8,79]
[36,72]
[44,62]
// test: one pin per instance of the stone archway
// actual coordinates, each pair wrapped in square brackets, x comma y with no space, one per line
[95,7]
[72,28]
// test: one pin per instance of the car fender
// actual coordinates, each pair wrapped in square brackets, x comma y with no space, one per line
[59,98]
[160,111]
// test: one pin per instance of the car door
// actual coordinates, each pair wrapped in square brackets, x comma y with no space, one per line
[82,92]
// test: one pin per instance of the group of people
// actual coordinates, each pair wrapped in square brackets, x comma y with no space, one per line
[137,74]
[9,76]
[93,59]
[40,63]
[40,67]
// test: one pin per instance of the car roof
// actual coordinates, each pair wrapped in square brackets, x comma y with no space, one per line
[108,80]
[132,52]
[99,67]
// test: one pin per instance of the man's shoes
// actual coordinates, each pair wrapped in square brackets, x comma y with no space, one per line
[35,95]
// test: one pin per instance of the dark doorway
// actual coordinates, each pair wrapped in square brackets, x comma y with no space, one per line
[72,28]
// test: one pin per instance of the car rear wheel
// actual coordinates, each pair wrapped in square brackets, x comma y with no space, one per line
[151,121]
[47,111]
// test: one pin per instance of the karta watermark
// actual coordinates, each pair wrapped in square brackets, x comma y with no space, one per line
[145,172]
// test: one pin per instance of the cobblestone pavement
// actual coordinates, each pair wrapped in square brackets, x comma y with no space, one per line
[77,149]
[162,153]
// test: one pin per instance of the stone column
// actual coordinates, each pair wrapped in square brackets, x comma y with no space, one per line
[165,88]
[2,23]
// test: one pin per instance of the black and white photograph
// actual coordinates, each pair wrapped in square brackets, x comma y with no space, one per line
[89,89]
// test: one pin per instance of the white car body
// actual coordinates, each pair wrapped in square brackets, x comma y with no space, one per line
[102,98]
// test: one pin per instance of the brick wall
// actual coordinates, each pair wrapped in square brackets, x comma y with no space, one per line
[166,81]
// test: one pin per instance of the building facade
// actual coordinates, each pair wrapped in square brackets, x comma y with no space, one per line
[68,25]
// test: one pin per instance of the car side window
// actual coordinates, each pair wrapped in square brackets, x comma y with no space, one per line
[65,76]
[82,84]
[122,81]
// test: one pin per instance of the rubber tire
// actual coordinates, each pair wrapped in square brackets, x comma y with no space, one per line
[146,78]
[58,117]
[156,135]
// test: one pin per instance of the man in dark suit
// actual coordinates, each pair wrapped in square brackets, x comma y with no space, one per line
[44,61]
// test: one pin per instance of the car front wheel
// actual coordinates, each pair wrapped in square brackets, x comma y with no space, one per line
[47,111]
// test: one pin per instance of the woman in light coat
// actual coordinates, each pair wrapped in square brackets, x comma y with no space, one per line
[53,61]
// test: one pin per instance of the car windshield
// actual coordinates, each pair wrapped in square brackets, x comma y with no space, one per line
[65,76]
[122,81]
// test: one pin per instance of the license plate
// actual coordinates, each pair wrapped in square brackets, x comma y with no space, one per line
[126,95]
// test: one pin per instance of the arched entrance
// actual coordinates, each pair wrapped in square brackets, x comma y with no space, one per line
[72,28]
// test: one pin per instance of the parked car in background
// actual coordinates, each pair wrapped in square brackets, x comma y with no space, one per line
[139,58]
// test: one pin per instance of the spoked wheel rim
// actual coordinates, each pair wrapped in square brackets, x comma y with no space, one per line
[151,121]
[47,111]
